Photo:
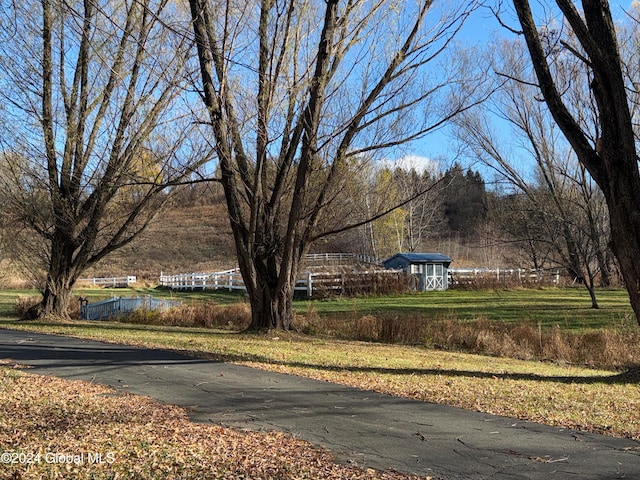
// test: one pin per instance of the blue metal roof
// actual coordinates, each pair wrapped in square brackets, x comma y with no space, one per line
[422,257]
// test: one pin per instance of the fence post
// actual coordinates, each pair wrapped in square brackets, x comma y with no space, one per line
[309,284]
[83,307]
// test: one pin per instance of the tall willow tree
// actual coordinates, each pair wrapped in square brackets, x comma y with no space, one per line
[299,93]
[89,89]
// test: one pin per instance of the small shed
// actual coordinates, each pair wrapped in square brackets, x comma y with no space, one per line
[431,269]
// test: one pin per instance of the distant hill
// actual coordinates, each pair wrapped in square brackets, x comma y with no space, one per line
[180,240]
[198,238]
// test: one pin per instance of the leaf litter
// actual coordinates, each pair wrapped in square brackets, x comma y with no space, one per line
[53,428]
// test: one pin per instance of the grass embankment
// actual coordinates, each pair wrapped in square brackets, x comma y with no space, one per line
[597,400]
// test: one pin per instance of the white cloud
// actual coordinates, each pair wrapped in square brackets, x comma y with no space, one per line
[420,164]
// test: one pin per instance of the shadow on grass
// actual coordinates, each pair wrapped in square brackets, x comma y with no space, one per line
[632,375]
[114,354]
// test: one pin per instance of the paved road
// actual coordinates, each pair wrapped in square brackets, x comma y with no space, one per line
[360,427]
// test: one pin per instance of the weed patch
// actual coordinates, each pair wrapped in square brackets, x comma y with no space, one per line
[617,347]
[23,304]
[235,316]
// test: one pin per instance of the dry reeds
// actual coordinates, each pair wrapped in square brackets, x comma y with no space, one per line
[236,316]
[24,303]
[615,347]
[356,283]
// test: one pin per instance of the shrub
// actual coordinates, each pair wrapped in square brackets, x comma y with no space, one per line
[24,304]
[236,316]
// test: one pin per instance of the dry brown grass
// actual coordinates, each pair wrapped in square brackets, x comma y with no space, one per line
[187,239]
[24,303]
[339,281]
[615,347]
[236,316]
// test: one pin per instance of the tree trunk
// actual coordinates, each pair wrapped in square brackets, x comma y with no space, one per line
[56,299]
[592,293]
[625,244]
[271,307]
[612,161]
[56,296]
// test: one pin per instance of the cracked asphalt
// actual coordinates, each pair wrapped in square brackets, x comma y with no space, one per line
[361,428]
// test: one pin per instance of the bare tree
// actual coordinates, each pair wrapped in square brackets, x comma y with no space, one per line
[424,215]
[555,188]
[297,91]
[90,88]
[606,147]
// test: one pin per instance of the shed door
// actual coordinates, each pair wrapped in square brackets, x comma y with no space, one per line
[434,277]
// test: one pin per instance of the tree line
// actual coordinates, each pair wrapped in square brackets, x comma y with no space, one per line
[110,107]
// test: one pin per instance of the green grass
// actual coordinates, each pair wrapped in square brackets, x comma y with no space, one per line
[222,297]
[569,308]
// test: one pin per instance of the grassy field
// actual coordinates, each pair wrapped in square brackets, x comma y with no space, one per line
[545,324]
[597,400]
[570,307]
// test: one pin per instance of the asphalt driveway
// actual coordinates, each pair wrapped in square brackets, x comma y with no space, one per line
[360,427]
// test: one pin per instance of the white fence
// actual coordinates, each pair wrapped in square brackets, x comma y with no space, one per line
[110,281]
[468,276]
[339,258]
[364,281]
[228,279]
[308,282]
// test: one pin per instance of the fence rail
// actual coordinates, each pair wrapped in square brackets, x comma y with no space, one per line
[338,258]
[309,283]
[228,279]
[110,281]
[470,276]
[327,283]
[119,306]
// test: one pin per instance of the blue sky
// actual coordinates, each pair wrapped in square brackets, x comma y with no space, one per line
[481,28]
